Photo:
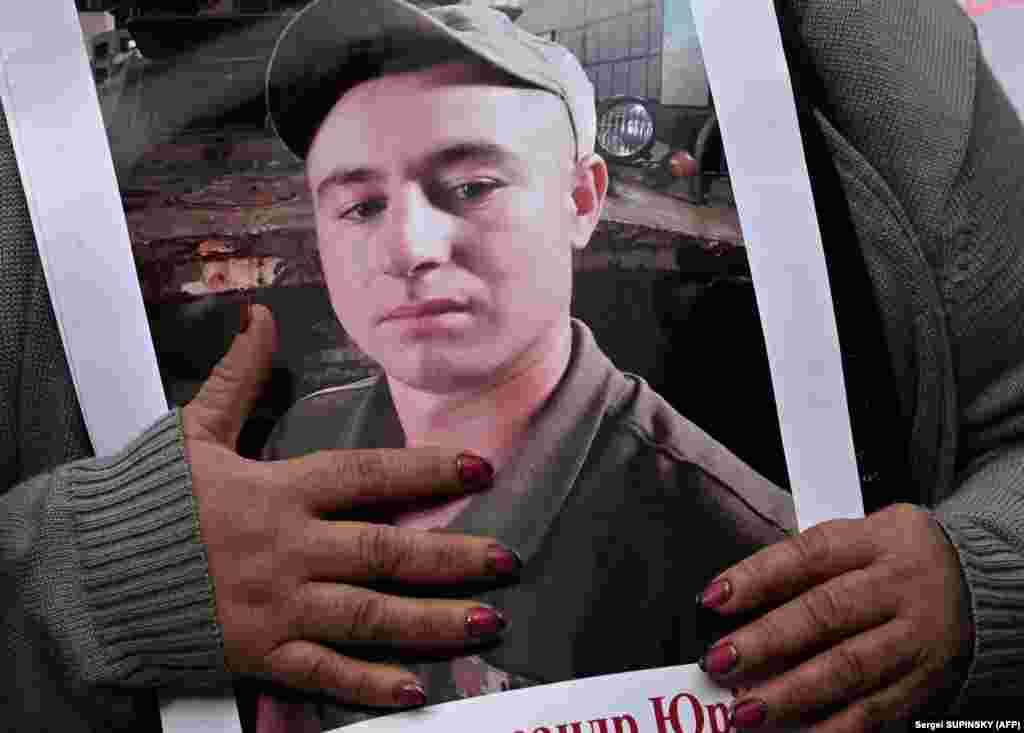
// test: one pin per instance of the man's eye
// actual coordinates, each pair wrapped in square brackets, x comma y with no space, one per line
[364,210]
[474,190]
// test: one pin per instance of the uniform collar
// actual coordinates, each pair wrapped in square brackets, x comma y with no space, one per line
[529,491]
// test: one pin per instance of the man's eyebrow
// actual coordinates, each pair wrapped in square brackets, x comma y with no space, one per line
[470,152]
[447,157]
[347,176]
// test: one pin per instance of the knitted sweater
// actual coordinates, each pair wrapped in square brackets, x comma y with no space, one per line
[931,157]
[104,580]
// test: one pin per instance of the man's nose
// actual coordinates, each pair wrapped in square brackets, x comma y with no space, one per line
[420,236]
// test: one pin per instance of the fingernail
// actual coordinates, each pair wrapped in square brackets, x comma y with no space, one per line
[475,473]
[503,561]
[412,696]
[483,622]
[748,714]
[719,659]
[245,317]
[715,594]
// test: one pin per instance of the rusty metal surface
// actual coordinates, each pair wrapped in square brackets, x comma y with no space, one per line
[196,234]
[207,238]
[215,204]
[647,209]
[192,237]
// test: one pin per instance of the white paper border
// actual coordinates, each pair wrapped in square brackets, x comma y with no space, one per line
[753,97]
[545,707]
[68,174]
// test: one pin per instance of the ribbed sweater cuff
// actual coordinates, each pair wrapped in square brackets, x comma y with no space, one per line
[145,572]
[993,567]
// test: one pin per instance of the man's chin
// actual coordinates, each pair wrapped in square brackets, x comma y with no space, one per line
[439,384]
[439,373]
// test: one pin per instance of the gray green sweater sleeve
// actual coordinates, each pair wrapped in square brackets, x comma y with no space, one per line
[985,521]
[981,278]
[983,286]
[932,158]
[105,578]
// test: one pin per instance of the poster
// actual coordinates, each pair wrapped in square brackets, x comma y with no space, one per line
[218,214]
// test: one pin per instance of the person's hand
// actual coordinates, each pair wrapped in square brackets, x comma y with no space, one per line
[289,584]
[867,619]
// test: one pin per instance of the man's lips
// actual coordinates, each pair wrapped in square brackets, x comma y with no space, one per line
[423,309]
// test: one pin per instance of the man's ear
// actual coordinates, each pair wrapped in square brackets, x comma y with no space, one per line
[590,187]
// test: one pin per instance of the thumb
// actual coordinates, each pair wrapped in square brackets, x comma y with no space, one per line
[235,383]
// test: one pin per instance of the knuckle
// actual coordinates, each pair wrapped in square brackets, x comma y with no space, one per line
[745,570]
[201,420]
[926,657]
[221,383]
[383,550]
[296,664]
[367,618]
[824,610]
[222,373]
[847,669]
[315,674]
[813,547]
[764,639]
[302,609]
[896,574]
[746,574]
[351,471]
[335,472]
[368,469]
[870,715]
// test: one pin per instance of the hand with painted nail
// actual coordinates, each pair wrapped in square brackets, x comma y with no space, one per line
[292,586]
[863,622]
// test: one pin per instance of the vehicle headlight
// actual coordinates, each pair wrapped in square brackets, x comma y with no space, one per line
[625,128]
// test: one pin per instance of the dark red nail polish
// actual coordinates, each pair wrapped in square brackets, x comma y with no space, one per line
[475,473]
[720,659]
[715,594]
[412,696]
[484,622]
[503,562]
[748,714]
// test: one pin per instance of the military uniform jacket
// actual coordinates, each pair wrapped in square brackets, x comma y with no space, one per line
[621,509]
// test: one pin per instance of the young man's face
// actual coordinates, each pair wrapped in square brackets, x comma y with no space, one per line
[447,208]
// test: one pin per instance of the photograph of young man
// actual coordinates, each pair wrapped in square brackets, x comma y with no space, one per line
[451,161]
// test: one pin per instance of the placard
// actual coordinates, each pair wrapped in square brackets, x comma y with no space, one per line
[216,213]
